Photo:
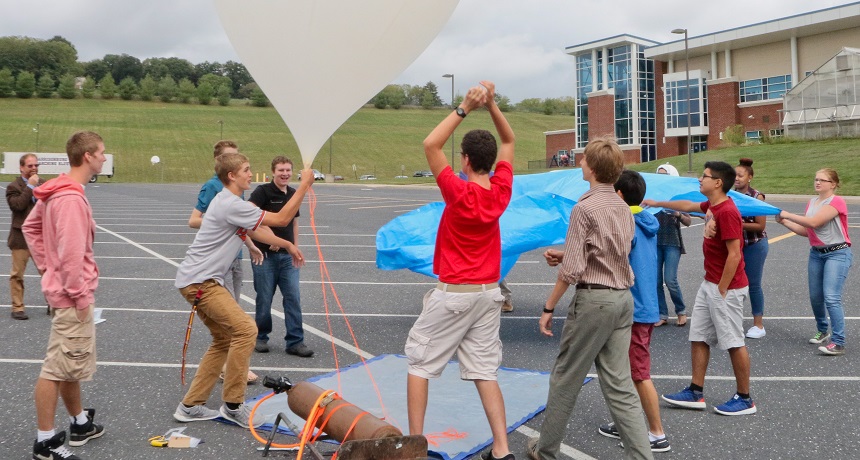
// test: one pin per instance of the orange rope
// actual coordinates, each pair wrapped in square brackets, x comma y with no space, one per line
[315,413]
[325,278]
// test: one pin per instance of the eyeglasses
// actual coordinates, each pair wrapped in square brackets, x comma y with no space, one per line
[822,180]
[32,166]
[703,176]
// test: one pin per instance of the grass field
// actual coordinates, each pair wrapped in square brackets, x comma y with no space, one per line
[376,141]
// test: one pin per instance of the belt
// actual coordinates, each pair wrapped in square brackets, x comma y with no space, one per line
[461,288]
[592,286]
[832,247]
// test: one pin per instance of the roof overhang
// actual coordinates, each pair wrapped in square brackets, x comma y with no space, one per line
[610,42]
[777,30]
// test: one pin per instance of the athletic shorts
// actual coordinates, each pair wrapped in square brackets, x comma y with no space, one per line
[640,351]
[465,323]
[718,321]
[71,352]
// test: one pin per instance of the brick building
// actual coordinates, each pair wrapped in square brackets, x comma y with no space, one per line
[638,89]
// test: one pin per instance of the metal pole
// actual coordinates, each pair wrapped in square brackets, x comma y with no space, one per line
[37,138]
[689,107]
[455,130]
[330,139]
[221,122]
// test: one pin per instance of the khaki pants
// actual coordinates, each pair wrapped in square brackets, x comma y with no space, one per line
[16,278]
[233,335]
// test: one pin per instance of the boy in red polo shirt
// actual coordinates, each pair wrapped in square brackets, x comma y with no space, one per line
[717,318]
[462,314]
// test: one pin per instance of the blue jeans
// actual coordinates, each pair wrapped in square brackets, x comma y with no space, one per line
[277,271]
[754,257]
[667,272]
[827,274]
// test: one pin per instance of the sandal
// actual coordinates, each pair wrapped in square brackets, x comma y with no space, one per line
[252,377]
[660,323]
[682,321]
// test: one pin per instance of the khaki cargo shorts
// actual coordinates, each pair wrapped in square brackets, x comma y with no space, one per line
[71,352]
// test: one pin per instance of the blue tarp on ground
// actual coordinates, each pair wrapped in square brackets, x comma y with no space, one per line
[537,216]
[453,405]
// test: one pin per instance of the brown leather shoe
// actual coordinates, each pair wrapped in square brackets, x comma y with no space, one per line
[507,307]
[19,315]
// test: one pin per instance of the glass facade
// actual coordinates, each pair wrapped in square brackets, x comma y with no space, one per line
[760,89]
[632,78]
[679,104]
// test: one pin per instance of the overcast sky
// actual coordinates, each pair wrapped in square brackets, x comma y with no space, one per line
[519,44]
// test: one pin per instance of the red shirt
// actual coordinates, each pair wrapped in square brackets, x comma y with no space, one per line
[469,243]
[729,227]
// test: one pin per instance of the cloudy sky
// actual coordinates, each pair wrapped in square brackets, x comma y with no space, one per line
[519,44]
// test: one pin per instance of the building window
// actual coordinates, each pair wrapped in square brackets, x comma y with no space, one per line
[776,132]
[760,89]
[753,136]
[680,106]
[699,143]
[584,85]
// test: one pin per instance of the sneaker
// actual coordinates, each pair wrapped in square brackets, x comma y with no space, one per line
[19,315]
[832,349]
[686,398]
[819,337]
[507,307]
[755,332]
[609,430]
[80,434]
[240,416]
[488,455]
[661,445]
[261,346]
[301,350]
[657,445]
[531,449]
[736,406]
[194,413]
[53,449]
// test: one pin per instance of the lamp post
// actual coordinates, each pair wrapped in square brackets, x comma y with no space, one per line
[37,137]
[687,68]
[221,122]
[451,76]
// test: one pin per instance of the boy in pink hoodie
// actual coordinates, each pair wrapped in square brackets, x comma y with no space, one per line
[60,232]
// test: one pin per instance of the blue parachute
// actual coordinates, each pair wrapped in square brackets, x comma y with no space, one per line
[537,216]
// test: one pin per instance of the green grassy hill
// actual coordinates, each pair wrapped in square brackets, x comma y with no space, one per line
[376,141]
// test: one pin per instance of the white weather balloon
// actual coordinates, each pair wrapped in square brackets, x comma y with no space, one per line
[319,61]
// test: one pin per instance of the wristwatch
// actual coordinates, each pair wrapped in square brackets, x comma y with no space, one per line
[461,112]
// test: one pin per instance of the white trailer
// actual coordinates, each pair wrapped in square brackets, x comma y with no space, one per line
[50,163]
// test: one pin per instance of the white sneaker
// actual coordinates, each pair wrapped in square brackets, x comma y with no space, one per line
[241,416]
[194,413]
[756,332]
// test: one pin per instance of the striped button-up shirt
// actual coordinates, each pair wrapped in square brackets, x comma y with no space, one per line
[598,240]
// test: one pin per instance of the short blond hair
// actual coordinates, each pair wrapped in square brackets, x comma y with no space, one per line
[79,144]
[228,163]
[221,145]
[605,159]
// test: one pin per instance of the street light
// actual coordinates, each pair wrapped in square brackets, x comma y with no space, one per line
[687,68]
[36,129]
[451,76]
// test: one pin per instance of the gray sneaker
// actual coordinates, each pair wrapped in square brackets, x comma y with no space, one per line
[194,413]
[240,416]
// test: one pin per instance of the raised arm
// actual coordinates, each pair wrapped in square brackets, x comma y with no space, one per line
[436,140]
[506,134]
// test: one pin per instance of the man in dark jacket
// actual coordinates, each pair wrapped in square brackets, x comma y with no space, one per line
[19,195]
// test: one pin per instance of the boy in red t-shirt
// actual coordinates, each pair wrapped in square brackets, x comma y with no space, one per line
[717,318]
[462,314]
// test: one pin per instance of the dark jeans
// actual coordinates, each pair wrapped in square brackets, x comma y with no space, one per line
[754,257]
[668,258]
[277,271]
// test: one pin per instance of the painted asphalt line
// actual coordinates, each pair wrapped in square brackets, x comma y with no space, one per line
[565,449]
[172,365]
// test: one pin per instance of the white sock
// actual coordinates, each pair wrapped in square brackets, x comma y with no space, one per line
[44,435]
[653,437]
[79,419]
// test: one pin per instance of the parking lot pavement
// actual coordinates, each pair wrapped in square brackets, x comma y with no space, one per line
[805,401]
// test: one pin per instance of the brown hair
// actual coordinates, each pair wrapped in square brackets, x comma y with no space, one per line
[221,145]
[831,174]
[605,159]
[746,163]
[228,163]
[23,159]
[280,159]
[79,144]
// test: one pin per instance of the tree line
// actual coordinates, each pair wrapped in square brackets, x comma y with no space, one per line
[34,67]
